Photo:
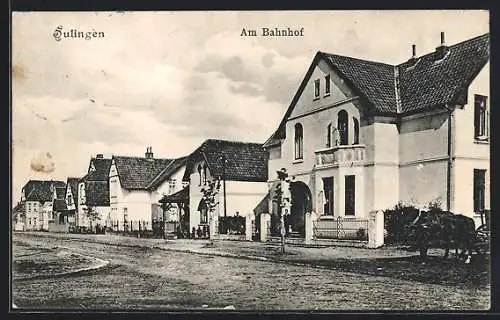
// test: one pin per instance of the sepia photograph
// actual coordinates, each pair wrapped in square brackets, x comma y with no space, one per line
[250,161]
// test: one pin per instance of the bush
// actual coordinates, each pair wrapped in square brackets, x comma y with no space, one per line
[232,225]
[361,234]
[397,219]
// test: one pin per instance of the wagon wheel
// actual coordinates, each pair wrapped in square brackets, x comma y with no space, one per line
[482,239]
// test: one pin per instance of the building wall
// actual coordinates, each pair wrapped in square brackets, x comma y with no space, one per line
[241,197]
[470,154]
[81,219]
[69,195]
[135,204]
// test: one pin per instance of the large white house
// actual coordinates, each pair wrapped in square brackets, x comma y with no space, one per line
[362,135]
[136,186]
[241,169]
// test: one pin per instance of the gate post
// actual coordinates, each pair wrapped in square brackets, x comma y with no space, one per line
[310,219]
[264,218]
[248,226]
[376,229]
[212,227]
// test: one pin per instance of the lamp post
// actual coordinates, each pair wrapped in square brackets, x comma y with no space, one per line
[224,161]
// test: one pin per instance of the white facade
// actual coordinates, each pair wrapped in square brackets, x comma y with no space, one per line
[241,197]
[391,162]
[137,205]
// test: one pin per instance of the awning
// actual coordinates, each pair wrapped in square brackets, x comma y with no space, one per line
[178,197]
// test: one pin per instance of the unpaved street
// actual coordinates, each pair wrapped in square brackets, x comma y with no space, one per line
[146,278]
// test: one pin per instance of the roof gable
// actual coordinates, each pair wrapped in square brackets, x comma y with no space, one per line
[98,169]
[137,173]
[167,172]
[246,161]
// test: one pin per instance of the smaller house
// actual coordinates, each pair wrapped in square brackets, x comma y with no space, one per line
[240,168]
[93,206]
[136,185]
[18,217]
[38,197]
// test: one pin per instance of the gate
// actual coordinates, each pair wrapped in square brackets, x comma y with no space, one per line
[341,228]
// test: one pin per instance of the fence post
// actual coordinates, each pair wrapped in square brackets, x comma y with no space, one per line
[310,219]
[248,226]
[376,229]
[264,218]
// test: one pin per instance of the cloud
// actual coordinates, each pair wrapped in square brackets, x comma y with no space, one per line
[42,162]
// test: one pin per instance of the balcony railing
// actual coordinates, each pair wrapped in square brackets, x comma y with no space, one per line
[340,155]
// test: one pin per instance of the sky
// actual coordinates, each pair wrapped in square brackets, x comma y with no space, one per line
[170,80]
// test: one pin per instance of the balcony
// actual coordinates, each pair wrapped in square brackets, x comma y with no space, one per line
[338,155]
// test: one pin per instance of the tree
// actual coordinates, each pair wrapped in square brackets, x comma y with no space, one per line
[210,196]
[92,214]
[281,197]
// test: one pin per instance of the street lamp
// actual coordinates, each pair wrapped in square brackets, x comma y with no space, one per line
[224,161]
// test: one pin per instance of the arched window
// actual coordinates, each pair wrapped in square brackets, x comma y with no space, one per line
[199,172]
[299,141]
[329,135]
[356,131]
[343,127]
[205,174]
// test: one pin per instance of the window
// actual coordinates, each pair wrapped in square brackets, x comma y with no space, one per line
[479,190]
[480,117]
[185,184]
[29,221]
[199,173]
[29,206]
[70,200]
[343,127]
[356,131]
[299,141]
[329,135]
[328,191]
[327,85]
[171,186]
[349,195]
[316,88]
[34,221]
[205,174]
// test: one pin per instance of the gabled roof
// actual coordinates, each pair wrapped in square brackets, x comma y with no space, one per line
[41,190]
[178,197]
[246,161]
[97,193]
[170,169]
[73,184]
[59,205]
[101,172]
[432,82]
[412,86]
[83,179]
[137,173]
[61,192]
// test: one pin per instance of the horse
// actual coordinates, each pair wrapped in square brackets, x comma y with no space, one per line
[443,228]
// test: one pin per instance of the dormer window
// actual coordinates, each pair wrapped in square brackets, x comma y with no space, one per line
[327,85]
[316,89]
[92,167]
[481,117]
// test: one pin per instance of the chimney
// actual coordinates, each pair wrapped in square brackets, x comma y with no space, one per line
[442,50]
[99,156]
[149,153]
[414,51]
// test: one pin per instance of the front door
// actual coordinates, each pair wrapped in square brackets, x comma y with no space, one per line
[301,203]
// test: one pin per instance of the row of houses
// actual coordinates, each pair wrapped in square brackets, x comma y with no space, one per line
[357,136]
